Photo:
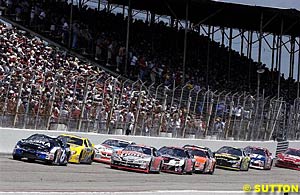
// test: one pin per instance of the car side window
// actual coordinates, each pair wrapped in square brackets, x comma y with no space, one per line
[90,144]
[85,143]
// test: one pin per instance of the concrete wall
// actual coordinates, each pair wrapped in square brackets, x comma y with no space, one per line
[9,137]
[294,144]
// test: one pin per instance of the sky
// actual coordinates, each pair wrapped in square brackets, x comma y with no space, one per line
[268,3]
[266,52]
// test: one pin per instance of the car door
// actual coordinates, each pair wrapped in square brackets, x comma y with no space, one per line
[156,159]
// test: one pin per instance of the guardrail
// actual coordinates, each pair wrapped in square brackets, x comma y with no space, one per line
[9,137]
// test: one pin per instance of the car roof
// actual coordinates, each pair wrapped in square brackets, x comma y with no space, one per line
[123,140]
[232,147]
[293,149]
[70,135]
[196,147]
[173,147]
[255,147]
[141,145]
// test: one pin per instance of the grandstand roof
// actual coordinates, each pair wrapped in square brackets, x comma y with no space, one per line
[223,14]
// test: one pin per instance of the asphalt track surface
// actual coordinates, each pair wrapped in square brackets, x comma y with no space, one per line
[31,177]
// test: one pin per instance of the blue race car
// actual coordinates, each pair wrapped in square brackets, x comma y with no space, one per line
[42,147]
[261,158]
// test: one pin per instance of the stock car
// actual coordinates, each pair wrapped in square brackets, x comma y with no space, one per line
[260,158]
[104,151]
[176,160]
[139,158]
[43,148]
[204,159]
[289,159]
[82,150]
[232,158]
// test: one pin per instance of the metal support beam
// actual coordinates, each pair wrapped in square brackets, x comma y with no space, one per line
[185,39]
[279,59]
[229,54]
[292,57]
[249,56]
[260,37]
[127,36]
[242,43]
[207,58]
[298,75]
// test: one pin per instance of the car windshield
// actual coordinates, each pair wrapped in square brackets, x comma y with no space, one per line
[176,152]
[257,151]
[293,152]
[116,143]
[73,140]
[42,139]
[199,153]
[140,149]
[230,150]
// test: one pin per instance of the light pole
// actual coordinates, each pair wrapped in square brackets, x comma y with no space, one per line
[259,71]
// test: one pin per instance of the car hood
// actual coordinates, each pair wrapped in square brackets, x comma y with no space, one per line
[132,155]
[227,156]
[257,157]
[292,158]
[200,159]
[35,145]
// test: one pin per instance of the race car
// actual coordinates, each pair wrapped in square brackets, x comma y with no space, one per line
[289,159]
[139,158]
[232,158]
[204,160]
[43,148]
[104,151]
[82,150]
[176,160]
[260,158]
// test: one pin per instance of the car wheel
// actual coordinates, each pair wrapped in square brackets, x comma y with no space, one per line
[91,159]
[204,167]
[271,165]
[16,157]
[31,160]
[80,157]
[213,170]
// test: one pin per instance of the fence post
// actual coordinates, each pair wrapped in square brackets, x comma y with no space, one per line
[18,101]
[83,103]
[52,98]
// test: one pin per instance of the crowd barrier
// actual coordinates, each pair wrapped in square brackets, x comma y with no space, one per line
[9,137]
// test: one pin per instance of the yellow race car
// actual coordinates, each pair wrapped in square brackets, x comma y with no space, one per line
[82,150]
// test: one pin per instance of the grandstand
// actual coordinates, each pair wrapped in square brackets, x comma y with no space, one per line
[45,87]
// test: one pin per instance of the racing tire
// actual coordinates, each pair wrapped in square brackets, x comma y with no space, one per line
[80,156]
[31,160]
[248,167]
[91,159]
[213,170]
[205,165]
[16,157]
[270,166]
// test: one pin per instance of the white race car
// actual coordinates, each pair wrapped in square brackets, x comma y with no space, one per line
[104,151]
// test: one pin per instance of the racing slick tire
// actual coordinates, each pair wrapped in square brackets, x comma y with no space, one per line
[270,166]
[91,159]
[213,170]
[16,157]
[31,160]
[80,156]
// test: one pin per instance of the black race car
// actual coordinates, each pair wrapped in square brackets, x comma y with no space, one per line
[42,147]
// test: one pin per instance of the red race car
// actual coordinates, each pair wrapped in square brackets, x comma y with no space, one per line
[137,158]
[176,160]
[289,159]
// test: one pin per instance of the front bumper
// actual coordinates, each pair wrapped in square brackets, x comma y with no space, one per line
[130,165]
[287,164]
[32,154]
